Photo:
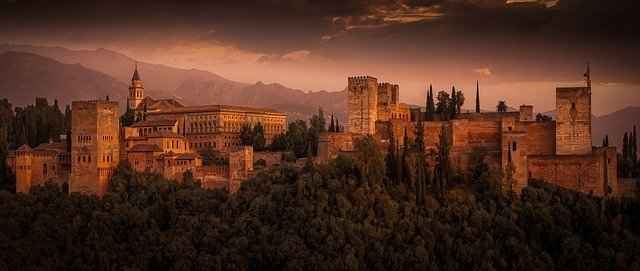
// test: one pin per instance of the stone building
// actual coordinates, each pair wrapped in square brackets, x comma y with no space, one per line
[514,144]
[95,145]
[370,101]
[48,162]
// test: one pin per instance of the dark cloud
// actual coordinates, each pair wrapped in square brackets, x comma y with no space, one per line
[516,40]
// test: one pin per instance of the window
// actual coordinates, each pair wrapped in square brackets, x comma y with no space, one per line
[573,106]
[514,146]
[44,170]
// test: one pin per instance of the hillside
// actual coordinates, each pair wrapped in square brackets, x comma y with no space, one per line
[26,76]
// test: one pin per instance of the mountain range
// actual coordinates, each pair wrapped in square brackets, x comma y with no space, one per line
[66,75]
[190,86]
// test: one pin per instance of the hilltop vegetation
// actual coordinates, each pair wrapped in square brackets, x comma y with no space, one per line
[328,217]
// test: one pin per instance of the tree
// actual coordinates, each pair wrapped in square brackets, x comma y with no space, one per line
[246,135]
[127,119]
[443,104]
[391,159]
[419,142]
[317,126]
[279,143]
[502,106]
[297,138]
[259,141]
[442,165]
[370,160]
[477,97]
[429,107]
[542,118]
[453,107]
[332,126]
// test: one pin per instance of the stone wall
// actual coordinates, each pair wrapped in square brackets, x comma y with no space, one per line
[331,144]
[593,174]
[95,145]
[573,117]
[362,104]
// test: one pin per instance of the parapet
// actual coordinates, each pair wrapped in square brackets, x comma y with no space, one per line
[361,80]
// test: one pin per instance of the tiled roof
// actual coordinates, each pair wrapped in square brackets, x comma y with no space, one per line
[153,123]
[167,134]
[145,148]
[55,146]
[218,108]
[24,147]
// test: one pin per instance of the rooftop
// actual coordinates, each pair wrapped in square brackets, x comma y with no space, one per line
[153,123]
[145,148]
[218,108]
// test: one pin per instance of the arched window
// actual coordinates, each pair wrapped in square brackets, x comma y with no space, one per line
[514,146]
[44,170]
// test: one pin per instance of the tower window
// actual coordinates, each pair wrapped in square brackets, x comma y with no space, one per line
[514,146]
[573,106]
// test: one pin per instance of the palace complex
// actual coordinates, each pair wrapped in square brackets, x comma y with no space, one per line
[165,138]
[515,144]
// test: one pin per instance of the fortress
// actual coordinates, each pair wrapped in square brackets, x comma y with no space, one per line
[515,144]
[165,138]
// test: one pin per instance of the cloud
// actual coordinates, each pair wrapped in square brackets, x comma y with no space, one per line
[483,71]
[293,56]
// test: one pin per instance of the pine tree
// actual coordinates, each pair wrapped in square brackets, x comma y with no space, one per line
[477,97]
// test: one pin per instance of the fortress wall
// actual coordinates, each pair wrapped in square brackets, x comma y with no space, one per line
[540,139]
[583,173]
[331,144]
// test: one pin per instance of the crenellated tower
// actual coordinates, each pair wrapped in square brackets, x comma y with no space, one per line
[362,104]
[136,91]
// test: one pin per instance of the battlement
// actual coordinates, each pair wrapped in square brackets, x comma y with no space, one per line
[361,80]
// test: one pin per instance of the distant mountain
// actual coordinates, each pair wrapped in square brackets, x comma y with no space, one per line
[615,125]
[25,76]
[156,77]
[195,87]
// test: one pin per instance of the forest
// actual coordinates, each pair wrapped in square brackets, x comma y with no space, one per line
[319,217]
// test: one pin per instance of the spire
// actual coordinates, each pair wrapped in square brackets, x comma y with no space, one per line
[587,76]
[477,97]
[136,76]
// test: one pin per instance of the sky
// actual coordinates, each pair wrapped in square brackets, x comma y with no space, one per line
[519,50]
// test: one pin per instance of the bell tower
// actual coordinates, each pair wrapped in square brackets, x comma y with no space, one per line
[136,91]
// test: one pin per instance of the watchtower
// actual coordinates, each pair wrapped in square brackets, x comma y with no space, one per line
[95,145]
[362,104]
[136,90]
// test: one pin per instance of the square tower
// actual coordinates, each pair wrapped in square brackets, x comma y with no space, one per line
[362,104]
[573,121]
[387,100]
[95,145]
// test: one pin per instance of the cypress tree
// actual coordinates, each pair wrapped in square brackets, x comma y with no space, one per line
[625,154]
[332,127]
[391,159]
[419,142]
[477,97]
[634,145]
[432,105]
[454,102]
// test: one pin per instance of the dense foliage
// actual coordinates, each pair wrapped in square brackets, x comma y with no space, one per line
[31,125]
[326,218]
[628,163]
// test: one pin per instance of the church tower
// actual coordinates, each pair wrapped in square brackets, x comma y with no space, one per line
[136,91]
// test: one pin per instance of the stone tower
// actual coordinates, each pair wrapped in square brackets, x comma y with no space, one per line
[24,161]
[136,90]
[94,145]
[362,104]
[573,121]
[388,97]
